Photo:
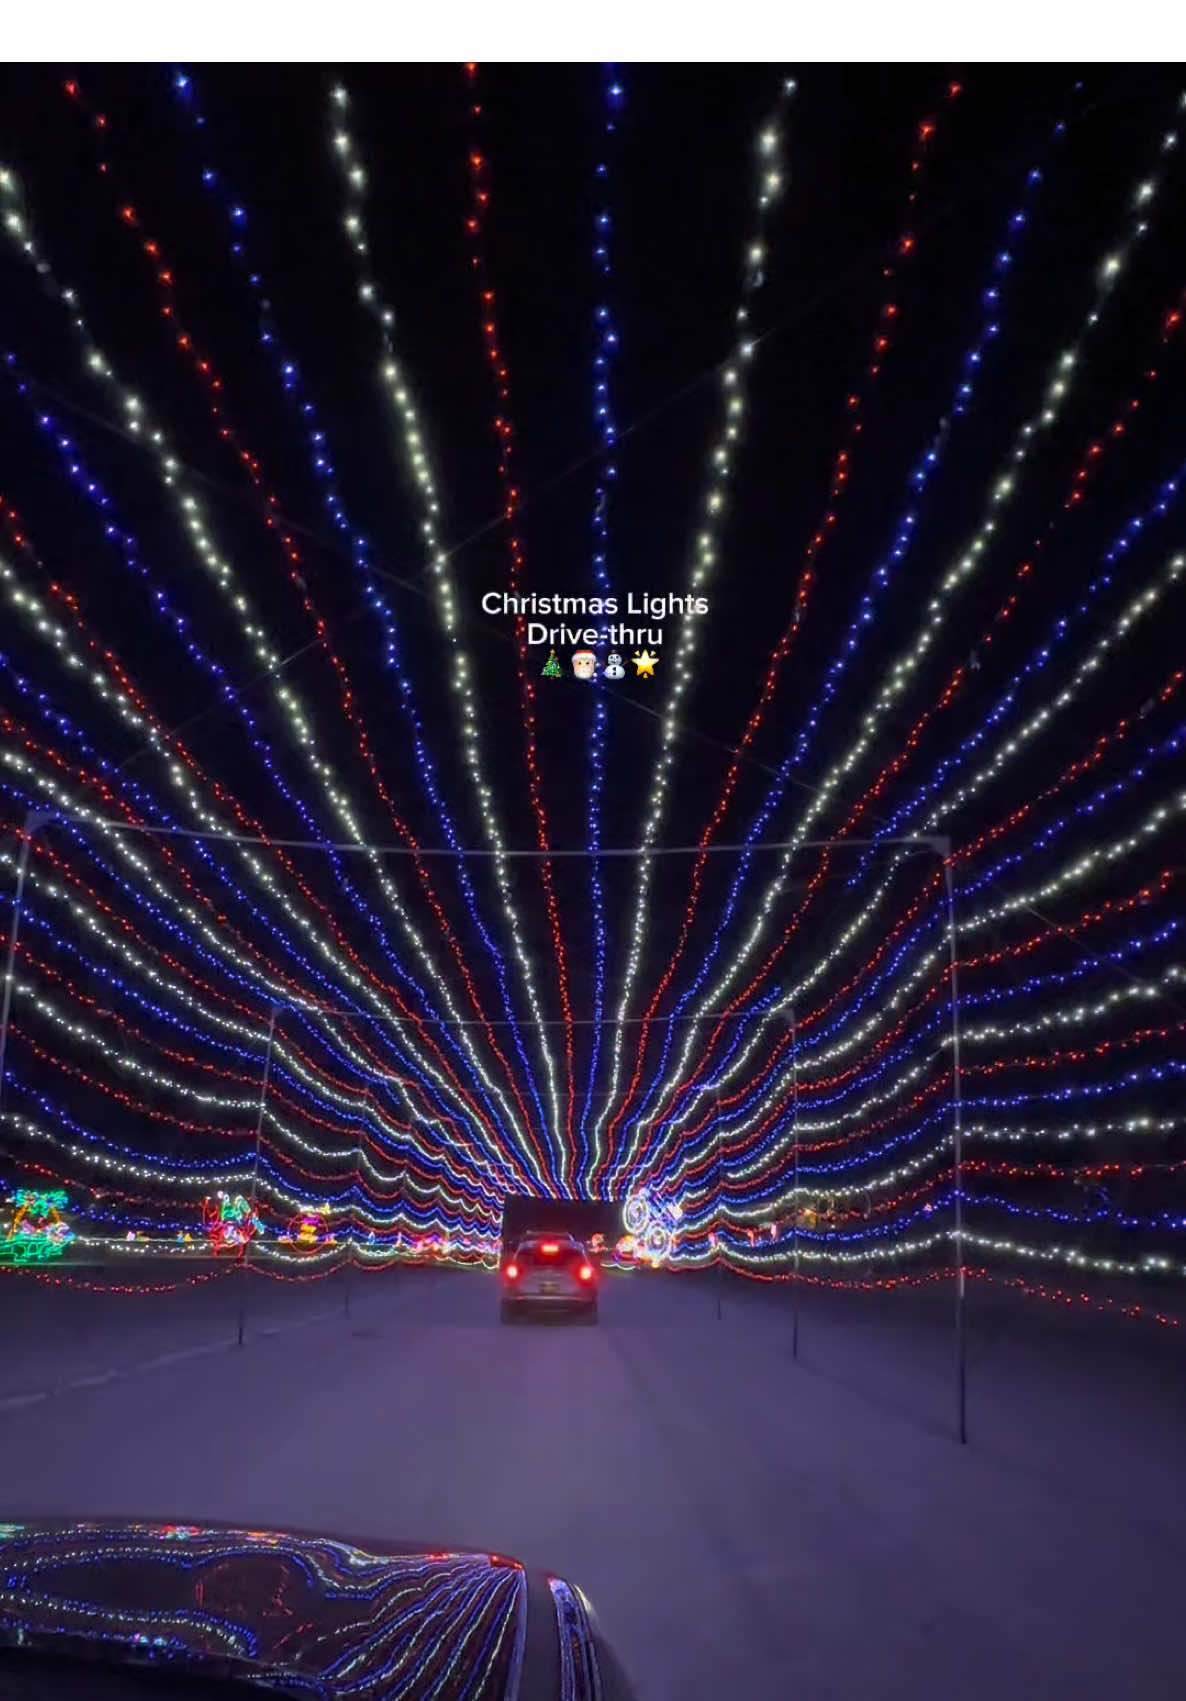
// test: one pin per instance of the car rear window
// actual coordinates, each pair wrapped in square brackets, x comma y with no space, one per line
[556,1252]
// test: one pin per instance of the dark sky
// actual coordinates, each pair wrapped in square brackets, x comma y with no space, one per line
[682,167]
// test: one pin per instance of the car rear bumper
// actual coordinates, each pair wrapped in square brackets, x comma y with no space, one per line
[550,1301]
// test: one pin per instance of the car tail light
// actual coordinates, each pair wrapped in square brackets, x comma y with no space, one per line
[512,1272]
[585,1272]
[550,1246]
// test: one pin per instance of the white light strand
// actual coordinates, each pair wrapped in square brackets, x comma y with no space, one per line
[52,632]
[1084,866]
[1140,606]
[398,392]
[734,380]
[192,515]
[904,668]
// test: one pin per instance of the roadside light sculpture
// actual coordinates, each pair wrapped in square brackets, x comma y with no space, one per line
[652,1226]
[230,1221]
[309,1230]
[636,1214]
[38,1231]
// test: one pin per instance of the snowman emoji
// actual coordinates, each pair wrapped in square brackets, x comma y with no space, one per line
[614,668]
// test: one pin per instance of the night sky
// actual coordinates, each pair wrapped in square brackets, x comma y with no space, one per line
[967,276]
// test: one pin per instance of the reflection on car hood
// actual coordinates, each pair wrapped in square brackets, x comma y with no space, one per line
[306,1614]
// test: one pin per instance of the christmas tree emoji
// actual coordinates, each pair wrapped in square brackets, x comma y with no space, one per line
[551,667]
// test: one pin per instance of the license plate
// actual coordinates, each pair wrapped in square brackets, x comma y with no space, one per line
[550,1287]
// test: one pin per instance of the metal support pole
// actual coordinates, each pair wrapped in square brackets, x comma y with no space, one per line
[795,1194]
[33,819]
[259,1129]
[349,1270]
[957,1152]
[719,1283]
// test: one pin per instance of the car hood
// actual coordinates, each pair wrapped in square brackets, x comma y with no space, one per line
[298,1612]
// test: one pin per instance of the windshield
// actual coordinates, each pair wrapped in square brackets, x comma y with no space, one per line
[33,1673]
[592,890]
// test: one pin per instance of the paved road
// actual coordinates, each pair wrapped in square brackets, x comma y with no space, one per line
[746,1526]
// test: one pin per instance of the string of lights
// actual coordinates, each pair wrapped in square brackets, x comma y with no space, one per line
[888,314]
[734,383]
[606,347]
[247,1026]
[166,278]
[504,433]
[461,675]
[901,672]
[17,228]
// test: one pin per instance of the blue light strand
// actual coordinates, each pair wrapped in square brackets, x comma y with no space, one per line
[1013,993]
[1113,1086]
[1137,527]
[812,1102]
[220,970]
[15,226]
[382,1135]
[1048,413]
[925,470]
[299,397]
[606,346]
[808,1104]
[183,937]
[1057,389]
[939,1119]
[1164,747]
[1172,745]
[177,1169]
[898,963]
[128,552]
[368,1082]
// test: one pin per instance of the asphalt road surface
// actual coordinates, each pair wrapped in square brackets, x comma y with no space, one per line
[749,1527]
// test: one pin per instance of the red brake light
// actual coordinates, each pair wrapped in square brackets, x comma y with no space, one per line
[586,1272]
[512,1272]
[549,1246]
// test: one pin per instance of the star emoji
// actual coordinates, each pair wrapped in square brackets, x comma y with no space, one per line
[644,662]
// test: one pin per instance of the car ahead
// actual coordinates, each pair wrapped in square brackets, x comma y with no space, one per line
[118,1610]
[549,1273]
